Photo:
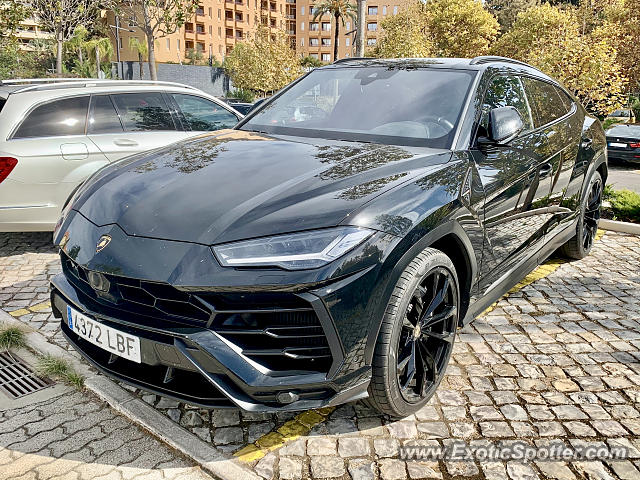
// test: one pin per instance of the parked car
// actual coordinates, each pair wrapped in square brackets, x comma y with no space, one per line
[623,143]
[624,115]
[328,247]
[242,107]
[54,134]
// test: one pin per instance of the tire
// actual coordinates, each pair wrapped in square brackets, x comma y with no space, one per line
[588,220]
[391,390]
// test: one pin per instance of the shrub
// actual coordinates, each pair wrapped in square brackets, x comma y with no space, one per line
[625,206]
[242,94]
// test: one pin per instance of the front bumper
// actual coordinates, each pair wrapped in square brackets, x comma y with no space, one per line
[200,367]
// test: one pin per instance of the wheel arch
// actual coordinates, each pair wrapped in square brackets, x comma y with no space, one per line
[452,240]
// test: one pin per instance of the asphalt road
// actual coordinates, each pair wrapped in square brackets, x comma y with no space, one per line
[624,177]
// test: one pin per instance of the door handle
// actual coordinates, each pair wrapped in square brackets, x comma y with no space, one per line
[545,169]
[125,142]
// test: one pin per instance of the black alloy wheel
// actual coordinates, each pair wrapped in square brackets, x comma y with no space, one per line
[580,245]
[416,336]
[426,339]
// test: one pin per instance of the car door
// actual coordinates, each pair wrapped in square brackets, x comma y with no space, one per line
[559,127]
[54,156]
[122,124]
[201,114]
[513,221]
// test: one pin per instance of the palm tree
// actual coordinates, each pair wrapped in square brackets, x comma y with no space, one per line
[339,9]
[101,48]
[142,49]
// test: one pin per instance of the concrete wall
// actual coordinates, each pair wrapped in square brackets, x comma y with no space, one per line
[208,79]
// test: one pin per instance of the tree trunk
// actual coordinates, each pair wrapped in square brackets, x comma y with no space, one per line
[152,59]
[360,27]
[141,66]
[80,55]
[150,42]
[59,52]
[97,62]
[335,38]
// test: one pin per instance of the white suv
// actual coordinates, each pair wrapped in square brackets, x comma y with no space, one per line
[54,134]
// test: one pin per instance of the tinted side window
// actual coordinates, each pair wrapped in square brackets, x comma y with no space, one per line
[67,116]
[143,111]
[567,101]
[546,103]
[505,91]
[204,115]
[103,117]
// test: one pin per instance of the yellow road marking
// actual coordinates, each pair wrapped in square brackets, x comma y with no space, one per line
[293,429]
[32,309]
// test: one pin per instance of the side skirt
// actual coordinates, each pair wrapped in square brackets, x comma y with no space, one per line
[513,277]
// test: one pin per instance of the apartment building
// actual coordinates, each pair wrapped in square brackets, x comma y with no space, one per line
[316,37]
[219,24]
[214,29]
[30,30]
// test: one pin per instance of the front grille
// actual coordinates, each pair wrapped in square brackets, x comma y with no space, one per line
[279,331]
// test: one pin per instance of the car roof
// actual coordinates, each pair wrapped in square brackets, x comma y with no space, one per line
[477,63]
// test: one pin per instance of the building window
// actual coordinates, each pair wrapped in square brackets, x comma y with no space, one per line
[178,44]
[326,42]
[200,28]
[348,26]
[302,26]
[313,42]
[347,41]
[372,26]
[326,26]
[326,57]
[188,27]
[219,14]
[371,41]
[313,55]
[372,11]
[120,43]
[210,12]
[200,10]
[302,10]
[395,10]
[219,32]
[210,30]
[168,44]
[314,26]
[188,44]
[302,42]
[384,10]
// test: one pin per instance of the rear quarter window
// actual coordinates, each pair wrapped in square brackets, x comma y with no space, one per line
[67,116]
[546,103]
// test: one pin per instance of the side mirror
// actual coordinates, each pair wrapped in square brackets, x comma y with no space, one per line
[505,123]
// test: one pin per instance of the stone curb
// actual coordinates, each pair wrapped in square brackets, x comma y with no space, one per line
[622,227]
[210,459]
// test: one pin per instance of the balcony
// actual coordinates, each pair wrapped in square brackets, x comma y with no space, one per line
[290,17]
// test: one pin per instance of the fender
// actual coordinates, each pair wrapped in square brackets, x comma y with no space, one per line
[452,227]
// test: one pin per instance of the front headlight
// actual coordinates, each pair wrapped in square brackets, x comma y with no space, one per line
[295,251]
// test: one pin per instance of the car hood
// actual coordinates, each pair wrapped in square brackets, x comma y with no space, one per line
[233,185]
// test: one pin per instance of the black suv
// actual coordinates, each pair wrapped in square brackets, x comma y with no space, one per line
[328,247]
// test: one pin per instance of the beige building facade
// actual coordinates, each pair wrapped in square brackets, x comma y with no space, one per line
[219,24]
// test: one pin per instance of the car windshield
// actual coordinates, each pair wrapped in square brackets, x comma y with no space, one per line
[382,104]
[632,130]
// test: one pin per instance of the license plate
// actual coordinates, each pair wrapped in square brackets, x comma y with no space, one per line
[109,339]
[618,145]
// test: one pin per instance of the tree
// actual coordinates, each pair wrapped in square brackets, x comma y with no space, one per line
[405,35]
[506,11]
[12,13]
[460,28]
[442,28]
[157,19]
[62,17]
[142,50]
[310,62]
[339,9]
[100,48]
[360,27]
[263,64]
[625,28]
[554,40]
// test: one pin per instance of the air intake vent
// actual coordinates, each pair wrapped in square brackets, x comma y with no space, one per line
[16,378]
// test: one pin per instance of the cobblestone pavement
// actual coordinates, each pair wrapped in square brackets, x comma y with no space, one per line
[558,360]
[75,437]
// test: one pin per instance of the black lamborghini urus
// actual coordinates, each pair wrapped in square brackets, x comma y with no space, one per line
[328,248]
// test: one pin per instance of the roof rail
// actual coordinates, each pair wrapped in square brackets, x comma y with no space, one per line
[490,59]
[92,82]
[347,59]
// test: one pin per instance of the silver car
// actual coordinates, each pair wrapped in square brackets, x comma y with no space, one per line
[54,134]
